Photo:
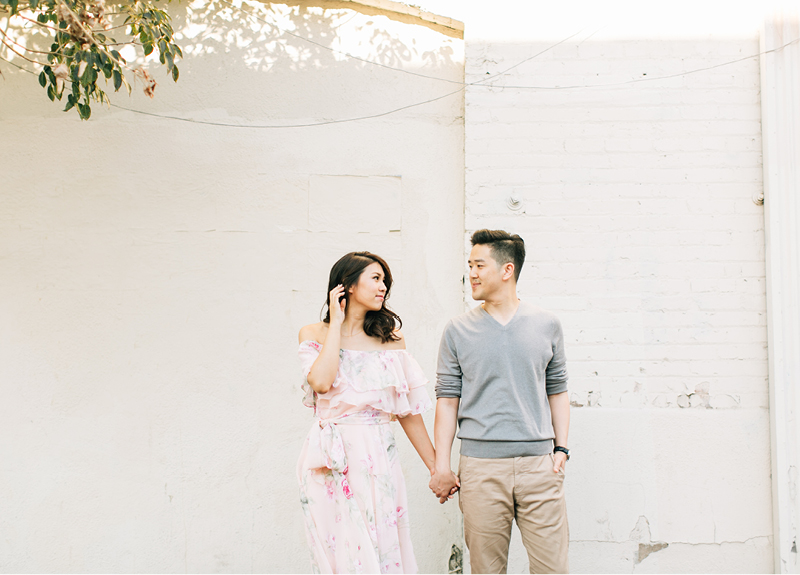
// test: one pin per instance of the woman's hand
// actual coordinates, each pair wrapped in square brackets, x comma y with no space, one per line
[337,304]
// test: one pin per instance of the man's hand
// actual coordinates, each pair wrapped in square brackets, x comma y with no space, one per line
[444,484]
[560,461]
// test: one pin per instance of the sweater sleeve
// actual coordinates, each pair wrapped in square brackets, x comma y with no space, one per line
[448,370]
[556,373]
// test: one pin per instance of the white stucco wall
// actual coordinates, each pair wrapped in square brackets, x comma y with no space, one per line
[155,274]
[635,201]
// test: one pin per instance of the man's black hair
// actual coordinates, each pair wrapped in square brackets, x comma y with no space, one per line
[504,247]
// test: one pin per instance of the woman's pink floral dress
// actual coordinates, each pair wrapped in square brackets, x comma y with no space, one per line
[351,486]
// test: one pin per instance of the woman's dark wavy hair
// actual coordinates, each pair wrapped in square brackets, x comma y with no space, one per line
[346,271]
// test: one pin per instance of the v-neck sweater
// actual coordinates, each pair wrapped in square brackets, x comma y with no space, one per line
[503,375]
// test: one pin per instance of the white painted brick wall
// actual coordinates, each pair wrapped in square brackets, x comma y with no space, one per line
[643,237]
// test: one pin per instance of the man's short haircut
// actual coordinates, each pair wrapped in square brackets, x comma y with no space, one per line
[505,248]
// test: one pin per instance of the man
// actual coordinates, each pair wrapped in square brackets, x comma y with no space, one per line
[502,377]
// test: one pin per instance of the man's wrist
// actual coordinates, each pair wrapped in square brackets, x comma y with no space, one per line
[564,450]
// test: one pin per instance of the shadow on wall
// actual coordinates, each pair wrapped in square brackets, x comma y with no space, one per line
[250,51]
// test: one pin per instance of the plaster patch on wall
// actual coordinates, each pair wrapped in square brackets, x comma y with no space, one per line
[641,534]
[456,562]
[646,549]
[701,398]
[378,201]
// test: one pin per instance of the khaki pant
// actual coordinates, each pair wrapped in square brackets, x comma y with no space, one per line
[496,491]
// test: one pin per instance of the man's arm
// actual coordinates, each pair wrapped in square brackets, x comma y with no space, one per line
[444,481]
[559,412]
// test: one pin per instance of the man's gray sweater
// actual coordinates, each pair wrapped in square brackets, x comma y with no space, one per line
[503,375]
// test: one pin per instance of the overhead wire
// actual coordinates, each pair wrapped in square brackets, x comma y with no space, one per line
[478,83]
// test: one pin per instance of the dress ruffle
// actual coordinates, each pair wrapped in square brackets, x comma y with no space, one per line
[390,381]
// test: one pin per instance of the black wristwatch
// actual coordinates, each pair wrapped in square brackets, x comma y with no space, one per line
[563,450]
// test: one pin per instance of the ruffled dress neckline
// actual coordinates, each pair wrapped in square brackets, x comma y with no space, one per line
[387,380]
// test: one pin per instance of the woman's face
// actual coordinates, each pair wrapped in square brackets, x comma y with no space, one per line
[370,291]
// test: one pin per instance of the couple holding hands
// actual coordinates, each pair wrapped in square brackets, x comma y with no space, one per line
[501,379]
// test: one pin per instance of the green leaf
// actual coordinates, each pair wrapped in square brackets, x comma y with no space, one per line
[118,80]
[148,49]
[170,61]
[86,78]
[85,111]
[175,73]
[51,93]
[13,4]
[42,79]
[70,104]
[33,4]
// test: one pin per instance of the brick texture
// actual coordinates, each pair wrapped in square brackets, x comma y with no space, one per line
[635,201]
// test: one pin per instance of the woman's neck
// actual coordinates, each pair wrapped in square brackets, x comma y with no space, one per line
[354,321]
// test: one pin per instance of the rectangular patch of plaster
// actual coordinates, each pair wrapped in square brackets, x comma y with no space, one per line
[362,204]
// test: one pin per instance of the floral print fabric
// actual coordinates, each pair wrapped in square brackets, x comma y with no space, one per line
[352,489]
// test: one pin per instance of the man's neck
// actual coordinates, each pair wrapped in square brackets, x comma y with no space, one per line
[502,308]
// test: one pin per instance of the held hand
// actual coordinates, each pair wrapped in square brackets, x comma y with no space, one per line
[560,461]
[337,304]
[444,485]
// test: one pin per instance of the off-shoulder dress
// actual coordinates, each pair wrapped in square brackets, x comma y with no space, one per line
[352,489]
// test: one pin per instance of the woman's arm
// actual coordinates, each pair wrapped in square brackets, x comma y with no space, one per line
[323,372]
[418,435]
[444,482]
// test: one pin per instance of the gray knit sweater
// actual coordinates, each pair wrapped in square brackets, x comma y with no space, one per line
[503,375]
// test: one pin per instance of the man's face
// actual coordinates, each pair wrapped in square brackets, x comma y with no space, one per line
[485,275]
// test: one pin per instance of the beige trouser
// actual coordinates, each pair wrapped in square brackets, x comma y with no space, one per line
[496,491]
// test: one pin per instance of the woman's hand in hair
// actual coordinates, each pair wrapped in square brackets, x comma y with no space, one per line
[337,304]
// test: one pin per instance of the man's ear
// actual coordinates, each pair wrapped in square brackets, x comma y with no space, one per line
[508,271]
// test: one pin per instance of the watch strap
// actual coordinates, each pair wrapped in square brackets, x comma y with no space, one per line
[563,450]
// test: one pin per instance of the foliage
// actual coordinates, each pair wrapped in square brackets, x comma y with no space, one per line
[83,48]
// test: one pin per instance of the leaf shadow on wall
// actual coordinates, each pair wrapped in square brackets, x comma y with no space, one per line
[241,59]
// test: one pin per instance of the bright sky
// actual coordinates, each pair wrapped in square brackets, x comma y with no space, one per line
[611,19]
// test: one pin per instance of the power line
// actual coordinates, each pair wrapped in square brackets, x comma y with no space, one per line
[654,78]
[464,85]
[277,126]
[328,122]
[483,83]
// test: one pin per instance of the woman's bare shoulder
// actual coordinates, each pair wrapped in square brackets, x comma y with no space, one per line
[397,344]
[314,332]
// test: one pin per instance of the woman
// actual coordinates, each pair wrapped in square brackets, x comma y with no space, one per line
[358,378]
